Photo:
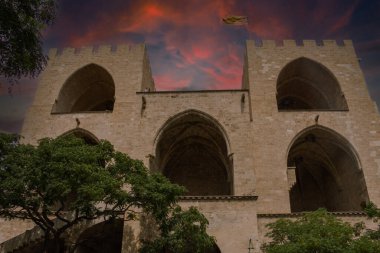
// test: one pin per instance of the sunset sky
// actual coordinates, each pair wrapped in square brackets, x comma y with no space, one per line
[190,48]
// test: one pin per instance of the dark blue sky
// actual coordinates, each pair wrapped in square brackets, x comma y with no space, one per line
[187,36]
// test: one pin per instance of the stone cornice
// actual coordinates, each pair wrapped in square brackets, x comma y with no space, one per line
[298,214]
[188,91]
[218,198]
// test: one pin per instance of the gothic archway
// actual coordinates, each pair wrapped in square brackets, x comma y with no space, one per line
[89,139]
[192,151]
[91,88]
[87,136]
[304,84]
[324,171]
[214,249]
[106,236]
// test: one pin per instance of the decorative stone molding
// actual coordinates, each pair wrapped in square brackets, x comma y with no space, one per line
[219,198]
[298,214]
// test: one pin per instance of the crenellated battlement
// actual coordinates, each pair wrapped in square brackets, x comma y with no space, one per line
[123,59]
[303,43]
[96,50]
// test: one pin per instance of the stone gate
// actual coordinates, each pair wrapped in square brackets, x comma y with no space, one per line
[301,133]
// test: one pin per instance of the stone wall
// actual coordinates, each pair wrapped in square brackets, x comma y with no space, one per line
[351,217]
[232,220]
[274,131]
[11,228]
[257,134]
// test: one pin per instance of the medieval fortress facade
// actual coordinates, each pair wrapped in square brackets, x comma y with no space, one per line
[301,133]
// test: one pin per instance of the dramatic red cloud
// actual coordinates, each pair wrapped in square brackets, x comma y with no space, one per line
[189,46]
[343,20]
[278,30]
[193,30]
[170,83]
[202,52]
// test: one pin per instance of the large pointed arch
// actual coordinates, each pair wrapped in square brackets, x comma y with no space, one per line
[214,249]
[192,149]
[304,84]
[324,170]
[106,236]
[86,135]
[90,88]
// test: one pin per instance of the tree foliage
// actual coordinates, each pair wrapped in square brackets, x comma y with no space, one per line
[373,212]
[64,181]
[318,232]
[180,234]
[21,23]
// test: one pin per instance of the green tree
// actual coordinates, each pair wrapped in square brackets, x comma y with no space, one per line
[68,181]
[182,232]
[318,232]
[21,23]
[374,213]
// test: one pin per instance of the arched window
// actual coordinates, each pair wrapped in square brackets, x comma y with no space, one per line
[304,84]
[324,171]
[90,88]
[192,151]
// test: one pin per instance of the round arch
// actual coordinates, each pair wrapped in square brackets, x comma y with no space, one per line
[192,149]
[90,88]
[304,84]
[321,167]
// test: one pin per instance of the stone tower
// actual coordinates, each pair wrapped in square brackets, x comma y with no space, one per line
[301,133]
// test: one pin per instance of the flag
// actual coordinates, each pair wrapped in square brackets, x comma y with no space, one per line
[235,20]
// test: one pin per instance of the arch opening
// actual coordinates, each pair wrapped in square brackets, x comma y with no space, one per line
[83,134]
[214,249]
[89,139]
[324,172]
[192,152]
[304,84]
[106,236]
[38,246]
[91,88]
